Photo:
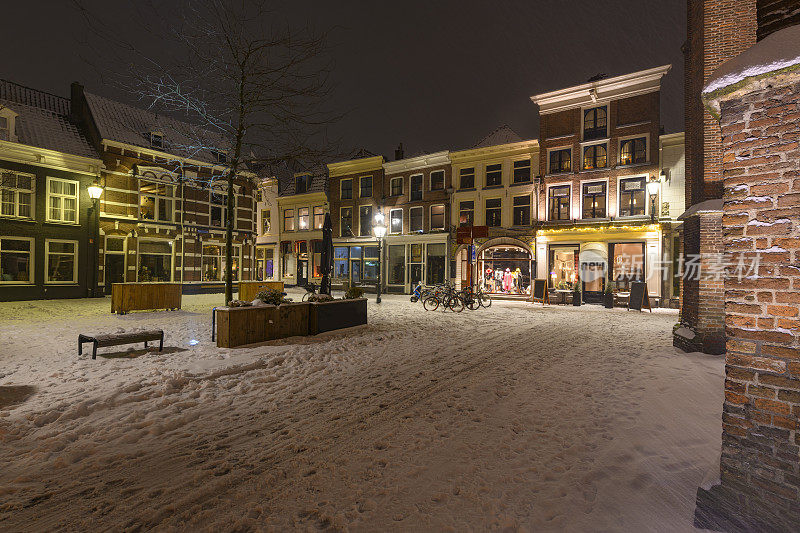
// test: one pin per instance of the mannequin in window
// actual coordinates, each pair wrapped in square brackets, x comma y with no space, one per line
[508,280]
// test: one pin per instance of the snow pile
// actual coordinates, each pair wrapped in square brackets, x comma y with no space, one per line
[775,52]
[517,416]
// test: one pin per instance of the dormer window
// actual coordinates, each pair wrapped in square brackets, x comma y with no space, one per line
[595,123]
[302,184]
[7,123]
[222,157]
[156,140]
[5,129]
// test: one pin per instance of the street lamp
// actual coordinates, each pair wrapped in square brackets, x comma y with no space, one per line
[95,190]
[379,229]
[652,189]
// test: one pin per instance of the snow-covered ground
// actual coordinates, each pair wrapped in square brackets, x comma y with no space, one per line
[513,417]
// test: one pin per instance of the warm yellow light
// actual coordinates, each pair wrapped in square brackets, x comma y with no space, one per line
[95,190]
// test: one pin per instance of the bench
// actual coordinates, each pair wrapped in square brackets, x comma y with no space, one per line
[116,339]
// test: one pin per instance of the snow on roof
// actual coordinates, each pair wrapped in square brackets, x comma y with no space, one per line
[502,135]
[43,120]
[775,52]
[124,123]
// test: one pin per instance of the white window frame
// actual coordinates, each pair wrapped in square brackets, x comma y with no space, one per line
[17,191]
[391,181]
[421,188]
[293,218]
[300,218]
[341,182]
[31,262]
[547,201]
[171,256]
[444,179]
[596,142]
[158,199]
[595,105]
[77,197]
[236,254]
[444,216]
[223,206]
[619,195]
[261,221]
[411,229]
[646,148]
[75,257]
[571,160]
[372,212]
[401,221]
[341,226]
[580,193]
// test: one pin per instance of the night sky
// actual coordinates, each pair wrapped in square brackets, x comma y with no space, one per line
[434,75]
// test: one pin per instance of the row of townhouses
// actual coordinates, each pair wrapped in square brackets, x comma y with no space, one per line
[573,206]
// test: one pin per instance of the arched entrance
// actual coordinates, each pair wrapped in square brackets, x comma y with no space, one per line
[504,266]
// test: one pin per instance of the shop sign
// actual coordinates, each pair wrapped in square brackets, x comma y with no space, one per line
[464,235]
[472,253]
[480,232]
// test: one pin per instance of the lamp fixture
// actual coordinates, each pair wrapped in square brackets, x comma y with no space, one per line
[95,190]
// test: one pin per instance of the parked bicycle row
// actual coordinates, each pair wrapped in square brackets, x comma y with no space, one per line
[446,296]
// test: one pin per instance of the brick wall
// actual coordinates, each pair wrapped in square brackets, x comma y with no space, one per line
[774,15]
[760,464]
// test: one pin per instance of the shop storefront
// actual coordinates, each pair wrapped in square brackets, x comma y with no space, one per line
[356,265]
[505,269]
[411,260]
[265,263]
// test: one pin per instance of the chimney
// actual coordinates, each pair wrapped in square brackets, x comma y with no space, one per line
[398,153]
[76,102]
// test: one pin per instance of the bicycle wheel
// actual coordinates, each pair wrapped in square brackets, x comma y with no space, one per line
[305,297]
[431,303]
[455,304]
[485,300]
[472,302]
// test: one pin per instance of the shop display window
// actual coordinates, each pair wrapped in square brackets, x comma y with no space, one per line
[563,263]
[505,269]
[628,264]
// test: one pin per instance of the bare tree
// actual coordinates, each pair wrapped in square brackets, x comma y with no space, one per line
[256,88]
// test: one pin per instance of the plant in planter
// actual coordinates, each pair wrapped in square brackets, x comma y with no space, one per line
[273,297]
[320,298]
[576,294]
[608,297]
[353,293]
[239,303]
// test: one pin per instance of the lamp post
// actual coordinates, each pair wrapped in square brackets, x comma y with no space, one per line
[652,189]
[380,230]
[95,190]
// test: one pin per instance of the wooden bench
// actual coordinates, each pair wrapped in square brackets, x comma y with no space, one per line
[116,339]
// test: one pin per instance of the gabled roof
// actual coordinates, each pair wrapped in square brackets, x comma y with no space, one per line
[124,123]
[287,173]
[43,120]
[502,135]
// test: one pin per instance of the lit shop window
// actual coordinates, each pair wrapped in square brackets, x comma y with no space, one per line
[633,151]
[62,200]
[15,260]
[558,202]
[396,268]
[632,197]
[466,213]
[155,260]
[594,200]
[16,194]
[62,261]
[213,263]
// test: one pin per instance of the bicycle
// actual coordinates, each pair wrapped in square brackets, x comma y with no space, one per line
[445,296]
[484,300]
[311,289]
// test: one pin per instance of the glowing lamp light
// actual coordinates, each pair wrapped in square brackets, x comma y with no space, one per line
[652,187]
[379,219]
[95,190]
[379,230]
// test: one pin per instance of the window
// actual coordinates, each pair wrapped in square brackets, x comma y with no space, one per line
[594,123]
[467,178]
[346,189]
[220,156]
[415,218]
[437,217]
[493,212]
[316,258]
[627,264]
[16,194]
[346,226]
[560,160]
[466,213]
[219,204]
[287,255]
[156,140]
[62,200]
[437,180]
[632,197]
[396,221]
[62,261]
[16,260]
[341,267]
[397,186]
[288,220]
[155,260]
[633,151]
[5,129]
[370,271]
[396,267]
[266,223]
[213,264]
[558,202]
[156,201]
[494,175]
[365,190]
[437,256]
[302,184]
[522,210]
[522,171]
[594,199]
[302,218]
[416,188]
[259,195]
[365,220]
[594,156]
[319,216]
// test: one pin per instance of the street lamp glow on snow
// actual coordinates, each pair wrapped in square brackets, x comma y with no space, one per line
[379,229]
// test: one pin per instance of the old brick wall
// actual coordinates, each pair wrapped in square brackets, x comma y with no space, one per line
[760,465]
[774,15]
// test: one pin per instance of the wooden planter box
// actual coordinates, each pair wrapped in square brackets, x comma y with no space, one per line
[237,326]
[144,296]
[338,314]
[249,289]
